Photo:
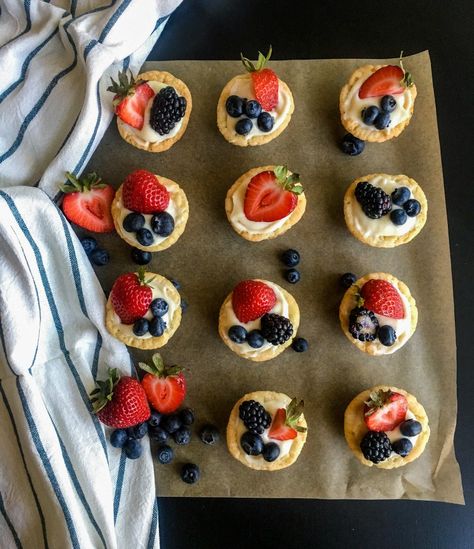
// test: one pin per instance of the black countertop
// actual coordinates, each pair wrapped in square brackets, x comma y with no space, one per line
[220,29]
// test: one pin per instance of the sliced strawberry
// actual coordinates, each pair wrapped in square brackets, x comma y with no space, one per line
[251,299]
[165,387]
[131,296]
[382,298]
[385,410]
[285,422]
[142,192]
[272,195]
[87,203]
[265,81]
[388,80]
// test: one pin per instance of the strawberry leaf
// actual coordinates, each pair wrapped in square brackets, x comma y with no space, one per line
[158,362]
[261,62]
[407,79]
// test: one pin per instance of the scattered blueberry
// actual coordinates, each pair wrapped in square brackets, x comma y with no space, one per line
[145,237]
[412,207]
[400,195]
[140,327]
[156,326]
[347,279]
[243,126]
[410,428]
[382,121]
[209,434]
[182,436]
[140,257]
[237,334]
[138,431]
[271,451]
[100,257]
[175,283]
[159,307]
[299,344]
[184,305]
[89,244]
[252,108]
[388,103]
[352,145]
[133,222]
[158,434]
[154,419]
[133,448]
[290,258]
[118,438]
[398,216]
[171,423]
[187,416]
[190,473]
[255,339]
[251,443]
[293,276]
[234,106]
[165,454]
[265,122]
[387,335]
[162,224]
[402,447]
[370,114]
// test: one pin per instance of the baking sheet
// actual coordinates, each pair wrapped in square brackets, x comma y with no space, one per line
[209,259]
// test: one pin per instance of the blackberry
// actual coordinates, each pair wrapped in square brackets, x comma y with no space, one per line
[374,201]
[167,110]
[276,329]
[376,446]
[363,324]
[254,416]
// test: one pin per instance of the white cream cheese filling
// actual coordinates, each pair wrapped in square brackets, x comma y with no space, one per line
[396,434]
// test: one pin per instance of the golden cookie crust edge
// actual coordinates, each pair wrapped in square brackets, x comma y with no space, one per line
[355,428]
[386,241]
[181,89]
[233,444]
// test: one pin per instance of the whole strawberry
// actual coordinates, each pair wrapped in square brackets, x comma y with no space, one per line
[265,81]
[143,193]
[120,402]
[382,298]
[131,296]
[251,299]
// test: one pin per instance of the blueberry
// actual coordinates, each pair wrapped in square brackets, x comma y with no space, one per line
[290,258]
[265,122]
[400,195]
[175,283]
[234,106]
[154,419]
[133,222]
[410,428]
[171,423]
[347,279]
[145,237]
[243,126]
[299,344]
[165,454]
[184,305]
[209,434]
[402,447]
[388,103]
[251,443]
[387,335]
[252,109]
[351,145]
[255,339]
[382,121]
[162,224]
[398,216]
[190,473]
[187,416]
[237,334]
[100,257]
[158,434]
[156,326]
[138,431]
[89,244]
[182,436]
[159,307]
[271,451]
[412,207]
[133,448]
[140,257]
[118,438]
[293,276]
[140,327]
[370,114]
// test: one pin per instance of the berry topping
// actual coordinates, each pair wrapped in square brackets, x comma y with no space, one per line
[387,335]
[182,436]
[410,428]
[254,416]
[120,402]
[402,447]
[165,454]
[164,386]
[244,126]
[285,422]
[131,296]
[251,299]
[299,344]
[398,216]
[373,200]
[167,110]
[382,121]
[162,224]
[140,257]
[271,451]
[159,307]
[255,339]
[190,473]
[382,298]
[388,80]
[143,193]
[276,329]
[252,109]
[265,81]
[89,244]
[133,448]
[157,326]
[118,438]
[187,416]
[385,410]
[234,106]
[140,327]
[376,447]
[158,434]
[388,103]
[347,279]
[87,202]
[290,258]
[131,99]
[237,334]
[292,276]
[133,222]
[370,114]
[251,444]
[145,237]
[352,145]
[209,434]
[363,324]
[412,207]
[171,423]
[100,257]
[138,431]
[155,418]
[265,122]
[400,195]
[272,195]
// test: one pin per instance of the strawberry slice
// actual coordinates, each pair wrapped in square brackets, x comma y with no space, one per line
[265,81]
[382,298]
[385,410]
[388,80]
[285,422]
[251,299]
[165,387]
[87,202]
[272,195]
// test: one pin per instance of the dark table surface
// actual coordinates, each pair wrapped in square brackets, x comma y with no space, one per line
[220,29]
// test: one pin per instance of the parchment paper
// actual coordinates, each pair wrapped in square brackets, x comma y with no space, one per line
[210,259]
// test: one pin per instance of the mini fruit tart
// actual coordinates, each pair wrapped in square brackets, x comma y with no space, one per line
[377,103]
[385,210]
[152,110]
[386,427]
[143,310]
[266,430]
[378,314]
[150,212]
[255,107]
[265,202]
[258,320]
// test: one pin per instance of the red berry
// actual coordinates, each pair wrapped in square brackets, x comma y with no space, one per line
[385,410]
[386,81]
[251,299]
[279,430]
[143,193]
[131,297]
[265,85]
[382,298]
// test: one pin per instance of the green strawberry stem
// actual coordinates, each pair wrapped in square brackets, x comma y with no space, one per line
[158,367]
[407,78]
[125,86]
[83,184]
[262,60]
[293,413]
[104,391]
[141,277]
[377,399]
[288,182]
